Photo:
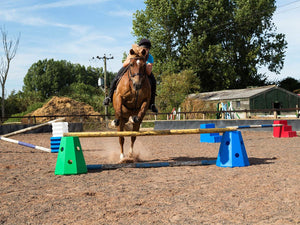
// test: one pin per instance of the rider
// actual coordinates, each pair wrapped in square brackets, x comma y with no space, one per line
[146,44]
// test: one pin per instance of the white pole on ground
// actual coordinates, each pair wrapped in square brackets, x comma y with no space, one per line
[25,144]
[32,128]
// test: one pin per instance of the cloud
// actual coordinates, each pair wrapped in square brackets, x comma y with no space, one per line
[121,13]
[22,6]
[25,14]
[66,3]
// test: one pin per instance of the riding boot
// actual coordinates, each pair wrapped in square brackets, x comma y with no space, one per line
[153,93]
[113,86]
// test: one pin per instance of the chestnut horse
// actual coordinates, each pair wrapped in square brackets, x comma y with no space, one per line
[132,96]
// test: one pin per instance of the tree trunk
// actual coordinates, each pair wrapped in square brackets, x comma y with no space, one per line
[2,103]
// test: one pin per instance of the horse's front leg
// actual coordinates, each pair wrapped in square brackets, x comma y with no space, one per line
[133,138]
[117,103]
[136,127]
[121,139]
[118,121]
[141,113]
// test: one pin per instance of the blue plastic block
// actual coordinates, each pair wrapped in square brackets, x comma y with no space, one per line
[55,143]
[232,152]
[218,138]
[206,138]
[210,137]
[54,146]
[207,125]
[55,138]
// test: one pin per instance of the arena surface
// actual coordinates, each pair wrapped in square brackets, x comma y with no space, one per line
[266,192]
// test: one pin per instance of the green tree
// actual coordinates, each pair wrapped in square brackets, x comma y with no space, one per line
[174,87]
[88,94]
[46,78]
[289,84]
[14,103]
[223,41]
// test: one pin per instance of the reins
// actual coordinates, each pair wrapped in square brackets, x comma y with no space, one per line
[135,74]
[130,75]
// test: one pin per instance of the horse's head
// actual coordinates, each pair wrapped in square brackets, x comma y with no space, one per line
[137,68]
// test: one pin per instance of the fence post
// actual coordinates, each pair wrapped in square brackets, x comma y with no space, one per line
[275,114]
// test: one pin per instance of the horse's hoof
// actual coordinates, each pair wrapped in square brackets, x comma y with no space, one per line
[122,156]
[130,155]
[134,119]
[115,123]
[131,119]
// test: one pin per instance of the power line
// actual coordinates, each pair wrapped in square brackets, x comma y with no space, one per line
[287,10]
[290,3]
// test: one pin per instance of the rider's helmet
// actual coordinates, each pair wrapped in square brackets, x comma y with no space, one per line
[145,43]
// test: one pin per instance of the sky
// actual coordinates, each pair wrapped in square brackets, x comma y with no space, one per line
[78,30]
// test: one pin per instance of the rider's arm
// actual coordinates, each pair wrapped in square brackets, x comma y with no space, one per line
[127,61]
[149,66]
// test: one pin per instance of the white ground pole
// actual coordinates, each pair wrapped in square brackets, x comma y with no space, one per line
[25,144]
[32,128]
[4,137]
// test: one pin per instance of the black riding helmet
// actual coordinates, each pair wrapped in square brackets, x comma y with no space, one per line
[145,43]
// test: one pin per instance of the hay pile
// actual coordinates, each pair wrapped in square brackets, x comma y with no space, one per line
[196,105]
[63,106]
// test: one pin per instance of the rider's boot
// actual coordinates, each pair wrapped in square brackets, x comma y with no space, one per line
[153,93]
[113,86]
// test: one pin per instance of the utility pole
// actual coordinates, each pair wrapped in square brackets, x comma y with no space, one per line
[105,80]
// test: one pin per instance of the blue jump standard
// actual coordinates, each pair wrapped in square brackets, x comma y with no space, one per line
[232,152]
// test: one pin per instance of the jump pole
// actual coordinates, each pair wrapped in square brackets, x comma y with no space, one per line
[32,128]
[149,165]
[25,144]
[257,126]
[148,133]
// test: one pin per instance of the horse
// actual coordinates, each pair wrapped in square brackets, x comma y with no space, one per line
[131,98]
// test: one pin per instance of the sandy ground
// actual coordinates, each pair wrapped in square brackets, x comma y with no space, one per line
[266,192]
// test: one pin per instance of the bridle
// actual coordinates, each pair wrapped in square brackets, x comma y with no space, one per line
[130,75]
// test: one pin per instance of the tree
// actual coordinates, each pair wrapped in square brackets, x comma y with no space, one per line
[289,84]
[224,41]
[10,49]
[174,87]
[49,77]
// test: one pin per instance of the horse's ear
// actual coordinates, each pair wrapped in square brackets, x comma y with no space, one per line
[131,52]
[144,52]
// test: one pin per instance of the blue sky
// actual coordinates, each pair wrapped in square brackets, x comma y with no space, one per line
[77,30]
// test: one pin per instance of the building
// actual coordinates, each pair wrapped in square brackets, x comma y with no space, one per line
[264,98]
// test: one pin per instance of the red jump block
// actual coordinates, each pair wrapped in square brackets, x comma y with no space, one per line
[283,131]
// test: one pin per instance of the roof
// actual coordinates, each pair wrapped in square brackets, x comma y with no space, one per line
[231,94]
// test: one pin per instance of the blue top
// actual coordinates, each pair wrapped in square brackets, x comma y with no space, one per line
[150,59]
